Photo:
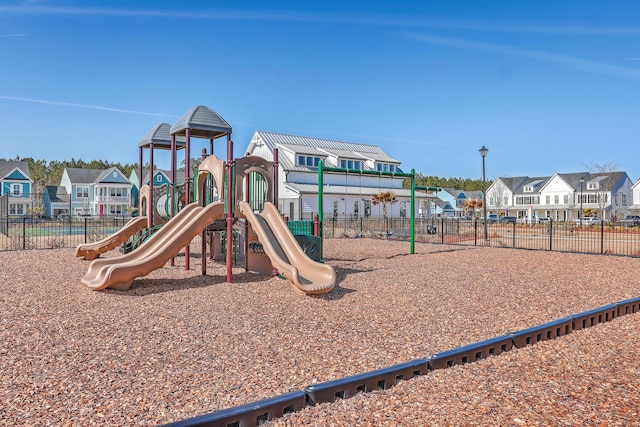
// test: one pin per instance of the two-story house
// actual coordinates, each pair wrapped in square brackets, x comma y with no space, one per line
[344,194]
[97,192]
[562,196]
[16,184]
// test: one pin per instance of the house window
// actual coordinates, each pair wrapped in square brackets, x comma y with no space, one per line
[335,209]
[386,167]
[159,178]
[556,199]
[309,161]
[116,209]
[624,199]
[82,192]
[15,189]
[356,208]
[547,200]
[117,192]
[114,174]
[528,189]
[367,208]
[403,209]
[566,199]
[592,185]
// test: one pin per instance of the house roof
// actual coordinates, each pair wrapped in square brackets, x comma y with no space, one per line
[90,176]
[57,194]
[320,147]
[8,166]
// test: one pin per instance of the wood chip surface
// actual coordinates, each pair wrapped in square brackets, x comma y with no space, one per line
[179,344]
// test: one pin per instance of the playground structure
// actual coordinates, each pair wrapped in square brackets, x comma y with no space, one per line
[223,204]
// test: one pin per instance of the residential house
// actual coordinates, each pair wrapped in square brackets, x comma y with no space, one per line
[562,197]
[160,177]
[635,207]
[56,201]
[16,184]
[461,202]
[343,194]
[97,192]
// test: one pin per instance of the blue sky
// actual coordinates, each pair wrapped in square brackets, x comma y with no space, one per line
[547,86]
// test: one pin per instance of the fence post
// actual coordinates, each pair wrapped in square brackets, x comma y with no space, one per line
[551,234]
[601,236]
[442,227]
[85,229]
[475,232]
[514,235]
[24,233]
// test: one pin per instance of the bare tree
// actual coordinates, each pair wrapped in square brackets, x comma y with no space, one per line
[605,177]
[498,196]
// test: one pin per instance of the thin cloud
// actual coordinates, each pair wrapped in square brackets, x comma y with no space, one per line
[12,35]
[85,106]
[436,22]
[566,60]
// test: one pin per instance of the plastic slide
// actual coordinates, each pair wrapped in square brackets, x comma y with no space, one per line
[90,251]
[119,272]
[286,255]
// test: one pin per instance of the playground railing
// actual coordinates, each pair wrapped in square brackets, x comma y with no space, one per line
[563,236]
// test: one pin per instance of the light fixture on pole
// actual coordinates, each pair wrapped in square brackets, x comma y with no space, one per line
[483,152]
[581,198]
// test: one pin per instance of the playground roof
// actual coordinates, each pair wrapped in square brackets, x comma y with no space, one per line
[202,122]
[160,136]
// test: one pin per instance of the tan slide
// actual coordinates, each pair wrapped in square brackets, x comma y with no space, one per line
[90,251]
[287,256]
[119,272]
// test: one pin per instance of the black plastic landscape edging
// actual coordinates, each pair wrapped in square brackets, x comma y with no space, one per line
[256,413]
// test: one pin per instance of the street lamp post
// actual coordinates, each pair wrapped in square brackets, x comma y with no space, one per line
[483,152]
[581,198]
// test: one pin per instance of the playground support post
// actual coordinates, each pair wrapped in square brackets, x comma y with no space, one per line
[229,166]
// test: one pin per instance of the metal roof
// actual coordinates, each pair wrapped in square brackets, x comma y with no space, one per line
[160,136]
[319,147]
[202,122]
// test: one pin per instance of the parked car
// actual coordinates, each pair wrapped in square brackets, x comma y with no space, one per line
[508,220]
[589,220]
[544,220]
[632,221]
[493,218]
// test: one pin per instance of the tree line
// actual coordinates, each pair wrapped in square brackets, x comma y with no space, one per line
[465,184]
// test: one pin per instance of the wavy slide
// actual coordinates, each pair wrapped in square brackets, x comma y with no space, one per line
[119,272]
[91,251]
[287,256]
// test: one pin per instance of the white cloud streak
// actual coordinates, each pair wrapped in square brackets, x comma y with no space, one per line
[321,18]
[12,35]
[565,60]
[85,106]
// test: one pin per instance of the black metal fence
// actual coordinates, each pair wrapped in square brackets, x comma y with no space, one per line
[600,238]
[30,232]
[27,232]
